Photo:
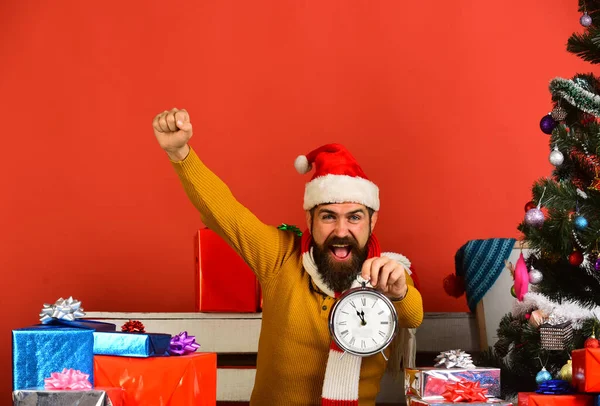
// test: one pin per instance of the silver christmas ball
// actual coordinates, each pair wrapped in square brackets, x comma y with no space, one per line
[535,276]
[585,20]
[556,157]
[559,113]
[534,217]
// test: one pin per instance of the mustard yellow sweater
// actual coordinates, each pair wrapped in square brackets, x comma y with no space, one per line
[294,339]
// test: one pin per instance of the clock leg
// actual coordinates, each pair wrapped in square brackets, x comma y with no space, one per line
[384,357]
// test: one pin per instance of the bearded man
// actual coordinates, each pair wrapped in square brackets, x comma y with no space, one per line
[301,278]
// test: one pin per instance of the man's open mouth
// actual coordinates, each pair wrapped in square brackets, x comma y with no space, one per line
[340,251]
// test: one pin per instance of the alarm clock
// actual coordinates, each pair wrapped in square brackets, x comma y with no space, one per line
[363,321]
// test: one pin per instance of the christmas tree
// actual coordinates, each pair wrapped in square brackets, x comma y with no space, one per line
[558,285]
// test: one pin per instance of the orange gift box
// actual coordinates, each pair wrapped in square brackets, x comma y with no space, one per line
[586,369]
[161,381]
[216,264]
[578,399]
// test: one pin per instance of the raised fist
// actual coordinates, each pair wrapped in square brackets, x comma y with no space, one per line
[173,130]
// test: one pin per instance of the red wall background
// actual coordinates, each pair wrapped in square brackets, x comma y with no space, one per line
[439,101]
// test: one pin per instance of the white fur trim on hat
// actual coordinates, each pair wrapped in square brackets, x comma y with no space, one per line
[400,259]
[341,189]
[302,165]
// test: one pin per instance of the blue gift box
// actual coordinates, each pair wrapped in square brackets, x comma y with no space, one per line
[81,323]
[131,344]
[39,350]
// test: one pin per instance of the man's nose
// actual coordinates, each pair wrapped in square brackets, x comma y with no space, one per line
[341,228]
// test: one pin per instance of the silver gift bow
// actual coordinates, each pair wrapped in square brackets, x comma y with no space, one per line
[64,309]
[454,359]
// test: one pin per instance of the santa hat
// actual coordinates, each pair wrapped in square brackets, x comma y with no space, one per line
[338,178]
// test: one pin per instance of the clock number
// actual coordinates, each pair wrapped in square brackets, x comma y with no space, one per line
[344,312]
[364,301]
[362,344]
[352,304]
[381,333]
[385,322]
[380,313]
[343,323]
[352,340]
[374,303]
[374,340]
[344,333]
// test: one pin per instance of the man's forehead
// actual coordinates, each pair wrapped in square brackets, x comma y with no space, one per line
[341,208]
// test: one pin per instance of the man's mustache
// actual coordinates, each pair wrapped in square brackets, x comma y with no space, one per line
[342,241]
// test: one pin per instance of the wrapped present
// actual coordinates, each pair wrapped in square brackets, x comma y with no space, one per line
[430,382]
[416,401]
[131,344]
[170,381]
[215,263]
[556,333]
[40,350]
[579,399]
[586,369]
[63,341]
[523,398]
[95,397]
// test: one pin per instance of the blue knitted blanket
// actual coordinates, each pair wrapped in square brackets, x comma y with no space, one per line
[480,262]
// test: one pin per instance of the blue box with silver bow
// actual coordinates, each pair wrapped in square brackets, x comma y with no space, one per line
[61,341]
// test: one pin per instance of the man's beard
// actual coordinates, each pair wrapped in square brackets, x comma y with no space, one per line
[339,275]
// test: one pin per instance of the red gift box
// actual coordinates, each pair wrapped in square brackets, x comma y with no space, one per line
[116,395]
[578,399]
[217,264]
[523,398]
[165,381]
[586,369]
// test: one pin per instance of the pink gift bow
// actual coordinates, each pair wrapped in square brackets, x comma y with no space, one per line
[69,379]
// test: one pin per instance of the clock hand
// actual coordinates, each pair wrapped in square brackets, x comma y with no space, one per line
[362,317]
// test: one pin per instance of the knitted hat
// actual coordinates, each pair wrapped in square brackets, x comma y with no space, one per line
[478,264]
[338,178]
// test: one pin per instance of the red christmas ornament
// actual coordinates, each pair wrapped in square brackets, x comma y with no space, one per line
[529,206]
[591,342]
[587,118]
[133,326]
[575,258]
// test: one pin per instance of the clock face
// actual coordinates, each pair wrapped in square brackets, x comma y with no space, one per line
[363,322]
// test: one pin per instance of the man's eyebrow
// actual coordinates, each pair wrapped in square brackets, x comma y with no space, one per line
[362,211]
[328,211]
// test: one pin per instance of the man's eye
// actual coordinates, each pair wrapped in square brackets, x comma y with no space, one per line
[327,217]
[355,218]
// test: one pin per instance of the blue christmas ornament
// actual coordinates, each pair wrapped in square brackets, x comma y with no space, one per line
[580,223]
[547,124]
[543,376]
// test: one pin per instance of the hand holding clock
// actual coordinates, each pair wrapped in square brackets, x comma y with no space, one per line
[387,276]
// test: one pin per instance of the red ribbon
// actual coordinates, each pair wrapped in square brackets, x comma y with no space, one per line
[465,391]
